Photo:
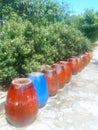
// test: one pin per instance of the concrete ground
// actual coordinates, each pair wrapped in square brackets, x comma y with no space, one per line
[75,107]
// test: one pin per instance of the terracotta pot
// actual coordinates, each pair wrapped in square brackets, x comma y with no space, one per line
[90,55]
[68,72]
[80,63]
[83,60]
[40,84]
[73,62]
[52,80]
[87,58]
[61,73]
[21,104]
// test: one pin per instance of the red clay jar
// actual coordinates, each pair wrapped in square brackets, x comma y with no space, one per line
[52,80]
[83,60]
[60,73]
[21,104]
[87,58]
[80,63]
[73,62]
[90,54]
[68,72]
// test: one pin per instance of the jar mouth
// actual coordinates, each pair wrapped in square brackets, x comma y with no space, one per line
[21,81]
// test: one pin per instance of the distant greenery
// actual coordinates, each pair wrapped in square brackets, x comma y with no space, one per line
[86,23]
[38,32]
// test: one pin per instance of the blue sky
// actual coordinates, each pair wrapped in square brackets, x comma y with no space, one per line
[79,6]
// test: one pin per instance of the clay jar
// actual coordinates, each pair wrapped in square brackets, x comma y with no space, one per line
[73,62]
[52,80]
[41,86]
[90,54]
[82,60]
[80,63]
[68,72]
[86,58]
[21,104]
[60,73]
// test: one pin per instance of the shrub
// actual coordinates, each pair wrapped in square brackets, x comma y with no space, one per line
[26,47]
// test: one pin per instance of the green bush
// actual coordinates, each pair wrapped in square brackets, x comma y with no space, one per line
[7,70]
[25,47]
[70,41]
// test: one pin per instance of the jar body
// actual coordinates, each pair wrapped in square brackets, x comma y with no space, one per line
[87,58]
[80,63]
[21,104]
[68,72]
[82,60]
[90,54]
[52,80]
[40,84]
[73,62]
[60,73]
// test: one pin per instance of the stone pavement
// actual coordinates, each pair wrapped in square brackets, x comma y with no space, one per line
[75,107]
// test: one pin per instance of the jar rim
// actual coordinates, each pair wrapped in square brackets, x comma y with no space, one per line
[21,81]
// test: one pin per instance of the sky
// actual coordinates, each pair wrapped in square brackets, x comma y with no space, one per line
[79,6]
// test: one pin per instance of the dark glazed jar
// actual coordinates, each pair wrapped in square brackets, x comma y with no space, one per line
[73,62]
[60,73]
[21,104]
[52,80]
[68,72]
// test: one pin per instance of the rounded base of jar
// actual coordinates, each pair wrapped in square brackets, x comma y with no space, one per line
[21,124]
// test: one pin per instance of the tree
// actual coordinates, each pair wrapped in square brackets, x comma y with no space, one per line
[89,24]
[41,12]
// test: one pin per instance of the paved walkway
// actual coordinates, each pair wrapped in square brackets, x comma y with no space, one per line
[75,107]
